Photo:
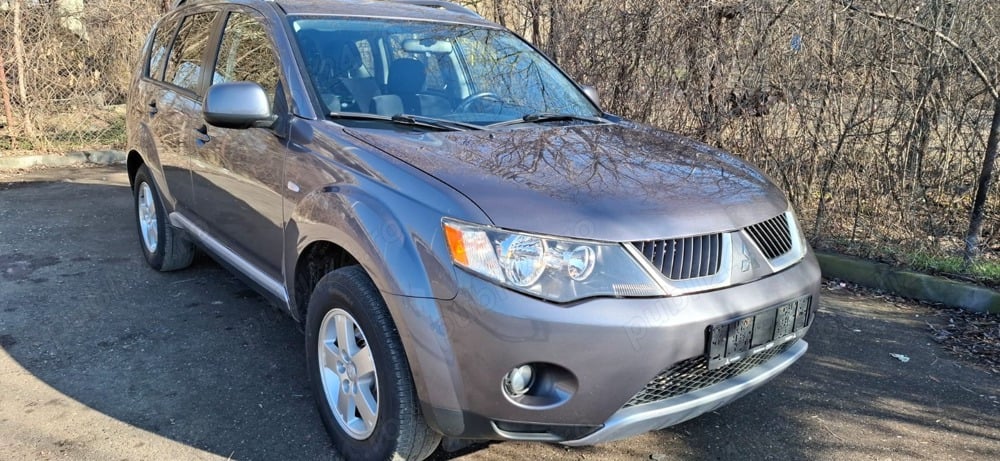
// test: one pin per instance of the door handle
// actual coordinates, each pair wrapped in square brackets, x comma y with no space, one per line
[152,108]
[201,134]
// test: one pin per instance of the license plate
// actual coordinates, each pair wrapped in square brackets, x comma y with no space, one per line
[741,338]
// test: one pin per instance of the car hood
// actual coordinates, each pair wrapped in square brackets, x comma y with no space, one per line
[612,182]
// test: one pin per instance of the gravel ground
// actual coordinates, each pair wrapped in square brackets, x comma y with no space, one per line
[102,358]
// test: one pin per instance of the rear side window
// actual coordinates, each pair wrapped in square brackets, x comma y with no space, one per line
[184,66]
[245,55]
[161,45]
[367,57]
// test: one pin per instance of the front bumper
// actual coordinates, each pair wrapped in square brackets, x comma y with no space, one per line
[652,416]
[460,349]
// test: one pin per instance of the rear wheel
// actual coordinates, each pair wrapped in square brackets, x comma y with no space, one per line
[162,245]
[359,374]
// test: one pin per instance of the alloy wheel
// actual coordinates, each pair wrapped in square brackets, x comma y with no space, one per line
[148,219]
[347,370]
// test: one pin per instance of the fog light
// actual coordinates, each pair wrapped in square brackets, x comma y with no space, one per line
[519,380]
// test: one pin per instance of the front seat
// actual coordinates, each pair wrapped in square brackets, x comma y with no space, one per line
[407,81]
[407,77]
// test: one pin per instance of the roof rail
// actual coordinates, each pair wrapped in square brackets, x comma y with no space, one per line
[442,4]
[177,3]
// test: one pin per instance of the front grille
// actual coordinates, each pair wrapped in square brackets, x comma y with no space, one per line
[773,236]
[693,374]
[684,258]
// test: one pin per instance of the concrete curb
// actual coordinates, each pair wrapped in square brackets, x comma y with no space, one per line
[96,157]
[910,284]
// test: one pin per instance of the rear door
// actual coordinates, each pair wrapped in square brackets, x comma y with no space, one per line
[178,99]
[154,104]
[237,174]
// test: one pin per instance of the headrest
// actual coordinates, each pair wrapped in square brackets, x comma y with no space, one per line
[407,76]
[331,56]
[346,59]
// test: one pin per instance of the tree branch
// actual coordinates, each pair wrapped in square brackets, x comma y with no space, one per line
[978,69]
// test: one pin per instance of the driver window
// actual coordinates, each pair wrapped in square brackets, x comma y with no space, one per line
[245,55]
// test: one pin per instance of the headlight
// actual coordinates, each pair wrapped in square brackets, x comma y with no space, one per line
[554,268]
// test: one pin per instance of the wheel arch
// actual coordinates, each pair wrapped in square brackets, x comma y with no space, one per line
[316,260]
[142,150]
[344,225]
[132,163]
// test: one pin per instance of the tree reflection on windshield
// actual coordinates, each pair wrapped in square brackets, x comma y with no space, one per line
[460,73]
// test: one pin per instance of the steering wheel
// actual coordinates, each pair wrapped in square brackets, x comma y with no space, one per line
[467,102]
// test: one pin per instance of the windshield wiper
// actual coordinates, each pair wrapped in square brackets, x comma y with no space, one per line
[548,117]
[408,120]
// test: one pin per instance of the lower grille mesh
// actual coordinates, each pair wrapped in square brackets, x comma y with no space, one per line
[693,374]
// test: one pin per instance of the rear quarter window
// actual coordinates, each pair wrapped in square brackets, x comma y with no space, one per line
[161,46]
[187,56]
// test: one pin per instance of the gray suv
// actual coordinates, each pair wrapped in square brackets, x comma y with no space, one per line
[474,249]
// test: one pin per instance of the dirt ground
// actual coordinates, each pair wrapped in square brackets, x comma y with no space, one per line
[102,358]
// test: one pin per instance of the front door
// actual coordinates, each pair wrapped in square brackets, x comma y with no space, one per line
[237,174]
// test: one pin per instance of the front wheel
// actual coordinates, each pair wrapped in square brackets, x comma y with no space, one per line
[359,374]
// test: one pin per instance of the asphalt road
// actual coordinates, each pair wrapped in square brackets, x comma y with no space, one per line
[102,358]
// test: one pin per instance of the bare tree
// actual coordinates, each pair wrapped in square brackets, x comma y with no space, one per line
[7,106]
[876,117]
[920,126]
[22,91]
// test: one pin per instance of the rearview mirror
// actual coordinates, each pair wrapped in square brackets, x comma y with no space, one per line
[427,45]
[238,105]
[592,94]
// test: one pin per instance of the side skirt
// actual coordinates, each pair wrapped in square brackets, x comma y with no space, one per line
[269,286]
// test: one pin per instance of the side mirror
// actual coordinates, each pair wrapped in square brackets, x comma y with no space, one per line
[238,105]
[592,94]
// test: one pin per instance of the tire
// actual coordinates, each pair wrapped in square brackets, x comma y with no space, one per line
[347,300]
[164,248]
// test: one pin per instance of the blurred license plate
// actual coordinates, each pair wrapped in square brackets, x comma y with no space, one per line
[741,338]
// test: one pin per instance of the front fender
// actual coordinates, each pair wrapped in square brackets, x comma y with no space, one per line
[404,257]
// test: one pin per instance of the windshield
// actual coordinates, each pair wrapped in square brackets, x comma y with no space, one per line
[452,72]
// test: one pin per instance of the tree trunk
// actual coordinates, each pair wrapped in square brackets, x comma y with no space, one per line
[983,189]
[498,13]
[7,111]
[926,114]
[536,23]
[22,91]
[552,43]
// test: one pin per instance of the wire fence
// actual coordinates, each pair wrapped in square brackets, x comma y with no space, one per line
[67,67]
[872,115]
